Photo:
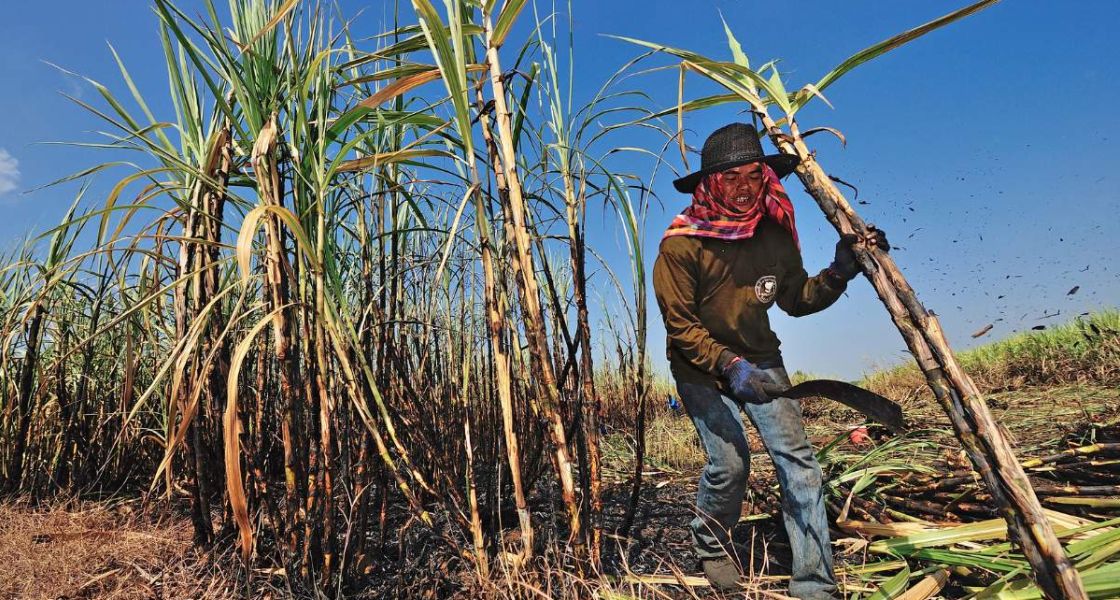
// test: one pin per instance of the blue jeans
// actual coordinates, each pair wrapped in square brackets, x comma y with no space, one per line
[723,483]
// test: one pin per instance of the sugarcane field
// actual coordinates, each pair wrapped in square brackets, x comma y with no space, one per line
[574,300]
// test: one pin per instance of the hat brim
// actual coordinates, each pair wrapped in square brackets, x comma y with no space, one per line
[783,164]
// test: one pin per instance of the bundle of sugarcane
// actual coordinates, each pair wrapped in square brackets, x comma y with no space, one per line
[931,518]
[1086,476]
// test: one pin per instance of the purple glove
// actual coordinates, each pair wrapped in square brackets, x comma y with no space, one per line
[745,381]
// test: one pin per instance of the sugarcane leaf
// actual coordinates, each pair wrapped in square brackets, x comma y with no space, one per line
[680,119]
[471,191]
[248,231]
[777,90]
[982,530]
[872,567]
[689,106]
[1101,582]
[1066,526]
[202,63]
[726,81]
[509,13]
[893,586]
[1082,501]
[807,92]
[928,587]
[901,39]
[1094,544]
[737,54]
[970,559]
[392,73]
[115,193]
[461,46]
[408,45]
[231,435]
[1100,555]
[400,86]
[454,79]
[832,130]
[183,356]
[384,158]
[138,97]
[272,23]
[523,103]
[722,72]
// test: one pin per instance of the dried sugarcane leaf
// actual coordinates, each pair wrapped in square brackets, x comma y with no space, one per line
[982,530]
[927,587]
[1081,501]
[231,435]
[883,529]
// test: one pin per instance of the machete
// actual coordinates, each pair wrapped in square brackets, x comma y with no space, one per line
[879,408]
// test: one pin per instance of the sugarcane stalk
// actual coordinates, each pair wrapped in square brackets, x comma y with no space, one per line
[971,508]
[197,258]
[267,170]
[1077,490]
[861,505]
[496,330]
[25,398]
[515,208]
[588,409]
[1087,502]
[322,378]
[472,495]
[943,484]
[923,506]
[862,513]
[1101,448]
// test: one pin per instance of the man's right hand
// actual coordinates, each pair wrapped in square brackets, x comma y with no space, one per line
[745,381]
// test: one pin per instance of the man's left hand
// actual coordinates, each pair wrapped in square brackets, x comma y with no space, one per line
[748,383]
[845,263]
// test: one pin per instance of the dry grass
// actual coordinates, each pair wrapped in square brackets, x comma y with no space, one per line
[1038,381]
[1084,351]
[102,550]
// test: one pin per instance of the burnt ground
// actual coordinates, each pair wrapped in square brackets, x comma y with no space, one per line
[661,542]
[123,550]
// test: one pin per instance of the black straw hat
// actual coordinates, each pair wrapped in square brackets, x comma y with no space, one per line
[730,146]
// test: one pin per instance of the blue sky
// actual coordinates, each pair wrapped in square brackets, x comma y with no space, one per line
[986,150]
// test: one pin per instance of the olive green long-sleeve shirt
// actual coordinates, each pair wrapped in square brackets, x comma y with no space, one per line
[714,295]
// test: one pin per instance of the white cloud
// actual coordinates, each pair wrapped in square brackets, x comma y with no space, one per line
[9,172]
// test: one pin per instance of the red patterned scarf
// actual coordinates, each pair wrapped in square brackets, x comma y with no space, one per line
[713,216]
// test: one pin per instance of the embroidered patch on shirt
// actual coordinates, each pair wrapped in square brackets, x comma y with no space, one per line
[766,288]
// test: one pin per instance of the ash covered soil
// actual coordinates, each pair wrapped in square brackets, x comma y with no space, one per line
[122,549]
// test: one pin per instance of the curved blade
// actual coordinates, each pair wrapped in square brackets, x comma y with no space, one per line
[873,405]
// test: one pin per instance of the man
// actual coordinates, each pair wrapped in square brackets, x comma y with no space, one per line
[723,263]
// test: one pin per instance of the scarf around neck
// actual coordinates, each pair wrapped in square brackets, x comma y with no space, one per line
[713,216]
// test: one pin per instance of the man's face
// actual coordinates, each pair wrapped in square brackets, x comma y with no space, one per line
[742,185]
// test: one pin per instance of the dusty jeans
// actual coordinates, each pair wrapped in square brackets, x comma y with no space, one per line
[719,499]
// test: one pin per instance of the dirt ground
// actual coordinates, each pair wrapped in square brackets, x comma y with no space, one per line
[99,550]
[120,550]
[96,550]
